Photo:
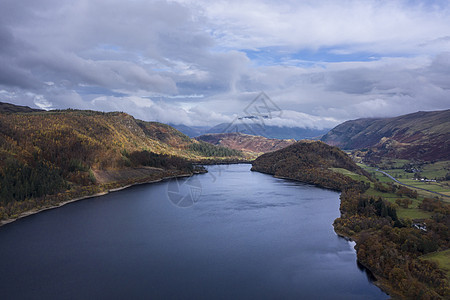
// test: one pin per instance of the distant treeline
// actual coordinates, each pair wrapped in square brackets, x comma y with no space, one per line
[150,159]
[206,149]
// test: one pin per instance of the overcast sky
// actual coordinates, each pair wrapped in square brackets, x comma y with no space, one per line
[203,62]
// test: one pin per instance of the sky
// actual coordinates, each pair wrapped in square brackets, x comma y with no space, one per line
[200,63]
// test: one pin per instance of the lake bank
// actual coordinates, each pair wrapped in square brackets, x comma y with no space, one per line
[99,194]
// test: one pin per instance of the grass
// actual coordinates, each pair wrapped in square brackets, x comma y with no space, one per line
[413,211]
[432,186]
[429,170]
[350,174]
[376,194]
[442,258]
[436,170]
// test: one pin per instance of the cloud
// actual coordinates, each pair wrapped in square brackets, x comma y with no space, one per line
[389,26]
[297,119]
[322,62]
[150,110]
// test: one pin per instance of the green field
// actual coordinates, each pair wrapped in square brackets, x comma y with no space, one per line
[437,170]
[350,174]
[412,212]
[432,186]
[442,258]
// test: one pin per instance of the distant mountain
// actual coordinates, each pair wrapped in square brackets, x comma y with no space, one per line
[245,142]
[268,131]
[420,136]
[191,131]
[11,108]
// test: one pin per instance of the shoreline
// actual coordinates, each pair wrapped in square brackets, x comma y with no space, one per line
[379,282]
[34,212]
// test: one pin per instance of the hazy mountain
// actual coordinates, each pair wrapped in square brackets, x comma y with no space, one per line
[255,127]
[191,131]
[420,135]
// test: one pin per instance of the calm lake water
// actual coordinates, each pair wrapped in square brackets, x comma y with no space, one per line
[247,236]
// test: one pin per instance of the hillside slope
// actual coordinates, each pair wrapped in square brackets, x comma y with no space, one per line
[310,162]
[389,246]
[418,136]
[245,142]
[51,156]
[12,108]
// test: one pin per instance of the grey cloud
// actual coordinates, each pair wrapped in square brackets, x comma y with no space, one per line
[117,55]
[439,70]
[350,81]
[15,76]
[63,41]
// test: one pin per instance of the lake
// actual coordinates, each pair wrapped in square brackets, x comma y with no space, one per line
[227,234]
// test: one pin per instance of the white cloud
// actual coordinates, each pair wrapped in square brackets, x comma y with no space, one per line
[297,119]
[149,110]
[189,61]
[381,26]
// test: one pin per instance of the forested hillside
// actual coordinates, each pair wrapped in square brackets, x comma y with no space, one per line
[309,162]
[47,157]
[390,246]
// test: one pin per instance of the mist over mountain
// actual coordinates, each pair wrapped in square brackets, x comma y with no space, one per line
[259,127]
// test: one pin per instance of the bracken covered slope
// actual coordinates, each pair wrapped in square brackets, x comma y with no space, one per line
[245,142]
[418,136]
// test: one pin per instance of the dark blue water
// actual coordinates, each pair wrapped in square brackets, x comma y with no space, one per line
[247,236]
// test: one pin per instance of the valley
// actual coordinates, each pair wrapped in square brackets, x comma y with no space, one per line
[226,149]
[393,178]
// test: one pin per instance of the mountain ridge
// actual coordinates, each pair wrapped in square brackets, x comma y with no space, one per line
[245,142]
[259,127]
[418,136]
[13,108]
